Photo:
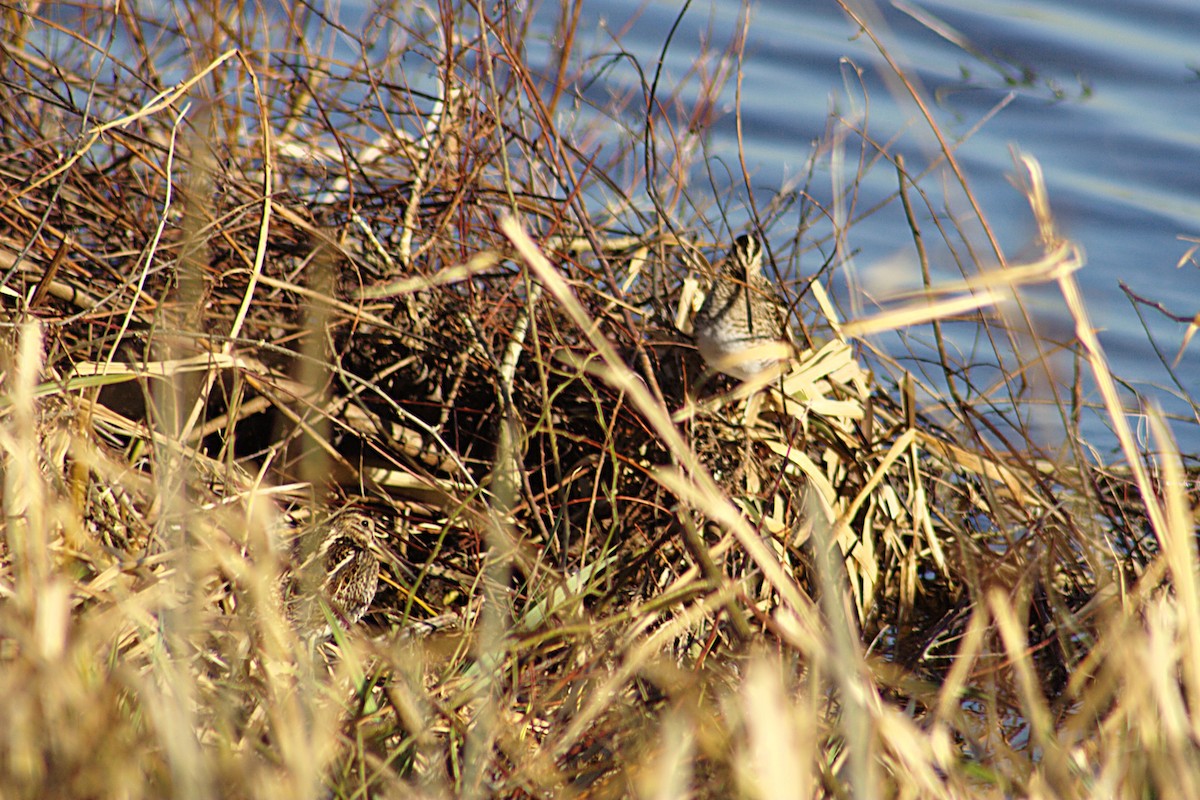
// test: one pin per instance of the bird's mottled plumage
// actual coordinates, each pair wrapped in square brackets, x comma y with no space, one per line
[741,317]
[342,573]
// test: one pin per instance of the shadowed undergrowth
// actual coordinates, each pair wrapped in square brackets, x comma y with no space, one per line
[258,268]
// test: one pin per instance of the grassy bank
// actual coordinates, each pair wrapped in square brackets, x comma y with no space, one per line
[257,268]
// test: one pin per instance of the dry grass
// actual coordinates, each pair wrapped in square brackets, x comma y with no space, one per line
[249,278]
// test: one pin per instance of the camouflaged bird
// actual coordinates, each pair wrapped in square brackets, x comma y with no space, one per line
[341,574]
[742,325]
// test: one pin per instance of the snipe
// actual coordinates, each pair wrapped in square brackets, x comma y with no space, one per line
[741,328]
[341,574]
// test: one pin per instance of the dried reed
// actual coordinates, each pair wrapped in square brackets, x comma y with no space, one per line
[256,267]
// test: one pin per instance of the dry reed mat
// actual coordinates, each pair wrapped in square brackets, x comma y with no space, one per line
[252,288]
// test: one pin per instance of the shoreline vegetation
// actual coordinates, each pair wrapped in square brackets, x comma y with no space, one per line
[250,281]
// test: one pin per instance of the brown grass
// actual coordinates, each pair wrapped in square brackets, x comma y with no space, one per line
[249,279]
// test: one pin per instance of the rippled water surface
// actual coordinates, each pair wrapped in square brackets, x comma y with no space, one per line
[1104,95]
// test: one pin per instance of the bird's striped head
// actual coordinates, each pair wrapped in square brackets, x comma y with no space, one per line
[745,258]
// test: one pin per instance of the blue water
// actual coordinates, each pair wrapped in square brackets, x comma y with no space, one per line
[1104,95]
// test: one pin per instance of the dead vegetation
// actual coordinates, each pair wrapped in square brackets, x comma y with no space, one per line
[258,270]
